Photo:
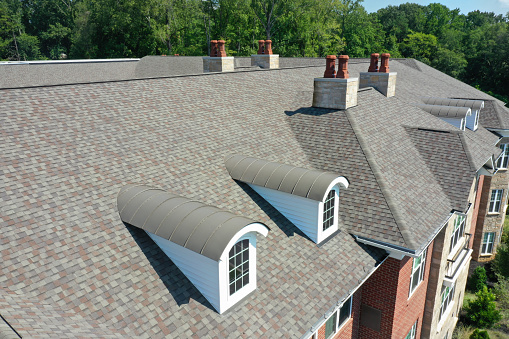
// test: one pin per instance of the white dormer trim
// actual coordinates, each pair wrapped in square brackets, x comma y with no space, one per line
[210,277]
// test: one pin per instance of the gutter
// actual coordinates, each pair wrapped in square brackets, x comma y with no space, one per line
[340,302]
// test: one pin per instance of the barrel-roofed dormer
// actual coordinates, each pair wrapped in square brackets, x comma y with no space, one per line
[308,198]
[215,249]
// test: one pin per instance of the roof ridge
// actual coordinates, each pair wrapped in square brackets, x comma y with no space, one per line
[498,112]
[467,151]
[403,229]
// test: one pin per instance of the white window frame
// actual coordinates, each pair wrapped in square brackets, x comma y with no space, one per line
[322,235]
[487,240]
[476,121]
[446,300]
[338,326]
[420,269]
[463,123]
[495,201]
[412,334]
[458,231]
[330,196]
[503,159]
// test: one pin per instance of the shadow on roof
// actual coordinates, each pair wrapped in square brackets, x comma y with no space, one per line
[311,111]
[280,220]
[181,289]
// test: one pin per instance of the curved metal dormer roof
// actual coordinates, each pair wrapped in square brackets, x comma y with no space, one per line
[311,184]
[201,228]
[446,111]
[473,104]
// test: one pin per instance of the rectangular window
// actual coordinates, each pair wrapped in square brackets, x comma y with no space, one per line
[487,243]
[338,318]
[239,265]
[504,157]
[418,267]
[495,201]
[447,296]
[413,331]
[328,210]
[330,325]
[459,229]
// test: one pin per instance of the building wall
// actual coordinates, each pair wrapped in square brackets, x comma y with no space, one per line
[491,222]
[433,326]
[388,290]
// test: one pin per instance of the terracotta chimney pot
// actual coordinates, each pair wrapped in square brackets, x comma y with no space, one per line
[261,46]
[268,46]
[330,67]
[384,67]
[373,66]
[213,48]
[343,67]
[220,48]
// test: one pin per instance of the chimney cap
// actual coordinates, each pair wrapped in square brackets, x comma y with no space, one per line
[331,57]
[344,57]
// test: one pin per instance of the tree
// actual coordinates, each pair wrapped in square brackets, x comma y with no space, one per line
[482,311]
[420,46]
[501,290]
[479,334]
[501,262]
[478,279]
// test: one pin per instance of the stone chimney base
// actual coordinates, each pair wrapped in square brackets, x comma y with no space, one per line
[268,61]
[385,83]
[335,93]
[218,64]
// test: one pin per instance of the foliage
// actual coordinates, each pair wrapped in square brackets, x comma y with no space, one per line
[501,262]
[478,279]
[501,290]
[420,46]
[477,334]
[482,311]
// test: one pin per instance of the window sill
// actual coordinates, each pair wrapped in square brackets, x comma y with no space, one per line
[485,254]
[493,213]
[445,317]
[415,289]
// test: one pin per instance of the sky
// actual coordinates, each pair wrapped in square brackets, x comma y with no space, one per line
[465,6]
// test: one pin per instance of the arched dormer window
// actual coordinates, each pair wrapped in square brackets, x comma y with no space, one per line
[214,249]
[329,214]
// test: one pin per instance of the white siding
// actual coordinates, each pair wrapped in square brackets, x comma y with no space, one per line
[454,122]
[203,272]
[302,212]
[471,120]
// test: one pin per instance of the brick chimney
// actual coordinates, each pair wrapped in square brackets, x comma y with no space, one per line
[265,58]
[261,46]
[330,67]
[382,80]
[338,92]
[213,48]
[217,61]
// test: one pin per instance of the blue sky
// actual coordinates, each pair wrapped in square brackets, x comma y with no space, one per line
[465,6]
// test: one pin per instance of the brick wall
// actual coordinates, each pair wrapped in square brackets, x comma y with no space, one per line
[387,290]
[480,209]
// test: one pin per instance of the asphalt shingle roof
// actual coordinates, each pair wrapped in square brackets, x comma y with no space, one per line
[67,151]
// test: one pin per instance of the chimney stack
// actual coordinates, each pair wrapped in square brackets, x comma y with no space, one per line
[261,46]
[384,68]
[338,92]
[217,61]
[265,58]
[330,67]
[373,66]
[213,48]
[382,80]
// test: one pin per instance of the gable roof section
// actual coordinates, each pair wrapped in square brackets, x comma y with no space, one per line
[191,224]
[480,146]
[494,115]
[306,183]
[446,158]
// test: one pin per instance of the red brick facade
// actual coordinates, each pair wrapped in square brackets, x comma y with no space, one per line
[480,209]
[388,290]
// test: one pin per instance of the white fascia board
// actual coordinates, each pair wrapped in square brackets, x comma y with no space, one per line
[503,132]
